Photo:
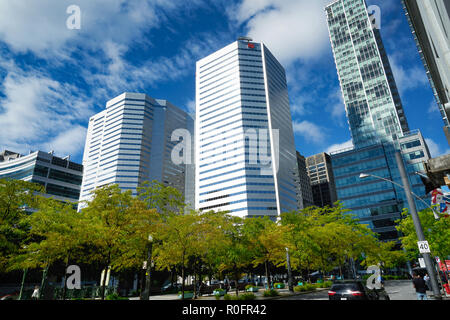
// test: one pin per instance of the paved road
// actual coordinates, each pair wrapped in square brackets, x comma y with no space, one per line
[397,290]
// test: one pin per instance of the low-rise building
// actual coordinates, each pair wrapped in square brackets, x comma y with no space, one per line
[60,177]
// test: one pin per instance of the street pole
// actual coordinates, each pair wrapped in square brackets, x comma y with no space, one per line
[289,270]
[417,225]
[148,277]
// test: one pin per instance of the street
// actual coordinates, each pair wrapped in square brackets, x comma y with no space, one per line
[397,290]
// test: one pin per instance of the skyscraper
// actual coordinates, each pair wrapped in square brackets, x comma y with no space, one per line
[130,142]
[377,122]
[371,98]
[245,151]
[430,24]
[322,179]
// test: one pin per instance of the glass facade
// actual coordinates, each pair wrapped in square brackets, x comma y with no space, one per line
[372,101]
[377,123]
[61,178]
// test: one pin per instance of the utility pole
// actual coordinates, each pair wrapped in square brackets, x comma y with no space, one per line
[417,225]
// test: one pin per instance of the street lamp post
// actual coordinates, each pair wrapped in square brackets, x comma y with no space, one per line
[148,277]
[415,217]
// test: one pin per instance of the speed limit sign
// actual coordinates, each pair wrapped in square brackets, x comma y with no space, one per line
[424,247]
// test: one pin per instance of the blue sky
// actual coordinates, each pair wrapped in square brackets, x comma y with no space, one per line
[53,79]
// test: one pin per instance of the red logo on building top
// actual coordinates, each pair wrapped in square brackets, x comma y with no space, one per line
[251,46]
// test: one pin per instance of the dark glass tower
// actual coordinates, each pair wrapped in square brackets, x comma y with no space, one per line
[377,122]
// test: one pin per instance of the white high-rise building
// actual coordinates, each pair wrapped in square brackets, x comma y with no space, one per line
[130,142]
[246,160]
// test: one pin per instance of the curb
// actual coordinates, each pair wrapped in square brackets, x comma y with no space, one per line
[296,294]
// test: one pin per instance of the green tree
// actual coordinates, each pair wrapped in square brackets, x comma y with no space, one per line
[182,237]
[53,235]
[232,254]
[267,242]
[437,233]
[107,219]
[16,199]
[166,200]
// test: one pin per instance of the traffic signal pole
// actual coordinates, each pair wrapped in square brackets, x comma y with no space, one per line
[418,225]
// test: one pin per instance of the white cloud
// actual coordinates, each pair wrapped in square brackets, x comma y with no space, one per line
[36,108]
[340,146]
[69,142]
[117,74]
[433,108]
[285,26]
[408,78]
[435,149]
[191,106]
[337,106]
[40,26]
[309,131]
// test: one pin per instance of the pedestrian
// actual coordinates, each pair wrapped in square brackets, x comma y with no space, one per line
[35,295]
[420,286]
[380,280]
[427,280]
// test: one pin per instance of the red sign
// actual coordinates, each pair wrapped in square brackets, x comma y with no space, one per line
[251,46]
[442,266]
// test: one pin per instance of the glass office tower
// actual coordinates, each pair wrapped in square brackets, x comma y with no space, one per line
[376,202]
[377,122]
[130,142]
[246,160]
[372,101]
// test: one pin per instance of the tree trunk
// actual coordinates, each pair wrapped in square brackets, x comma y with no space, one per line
[267,274]
[103,284]
[236,279]
[65,279]
[25,271]
[309,274]
[44,279]
[182,279]
[195,281]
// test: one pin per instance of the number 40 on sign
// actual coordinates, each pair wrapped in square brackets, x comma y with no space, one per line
[424,247]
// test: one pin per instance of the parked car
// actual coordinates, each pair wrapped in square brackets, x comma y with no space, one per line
[11,296]
[171,288]
[355,290]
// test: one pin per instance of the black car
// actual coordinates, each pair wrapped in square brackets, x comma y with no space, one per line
[355,290]
[171,288]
